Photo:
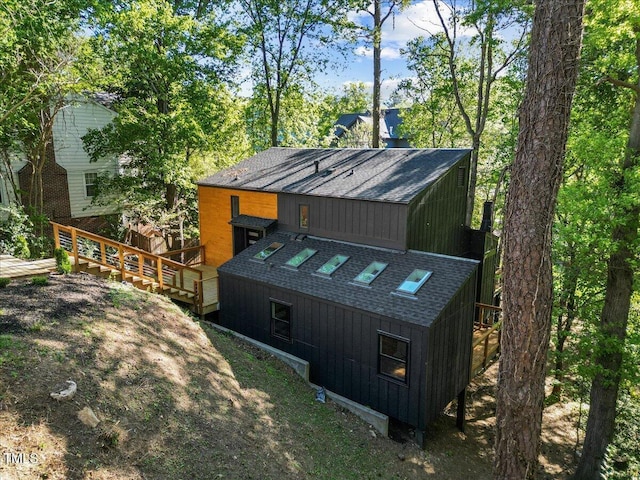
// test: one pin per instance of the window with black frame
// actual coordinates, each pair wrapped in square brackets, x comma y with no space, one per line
[281,320]
[393,357]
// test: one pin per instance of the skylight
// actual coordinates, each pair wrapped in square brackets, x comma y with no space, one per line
[332,265]
[301,257]
[370,273]
[270,250]
[414,281]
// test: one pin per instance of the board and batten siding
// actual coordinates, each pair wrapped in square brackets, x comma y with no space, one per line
[339,342]
[381,224]
[70,124]
[435,218]
[448,352]
[214,207]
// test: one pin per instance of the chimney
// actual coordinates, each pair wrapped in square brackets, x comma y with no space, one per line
[487,214]
[316,163]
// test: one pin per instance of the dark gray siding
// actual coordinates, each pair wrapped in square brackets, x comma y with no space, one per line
[448,350]
[373,223]
[341,344]
[436,216]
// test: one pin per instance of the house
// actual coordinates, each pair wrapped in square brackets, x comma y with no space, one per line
[350,123]
[358,261]
[69,176]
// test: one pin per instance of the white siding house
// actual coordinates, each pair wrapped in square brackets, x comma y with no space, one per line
[70,190]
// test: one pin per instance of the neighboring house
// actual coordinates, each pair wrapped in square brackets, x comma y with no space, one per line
[358,125]
[357,261]
[69,176]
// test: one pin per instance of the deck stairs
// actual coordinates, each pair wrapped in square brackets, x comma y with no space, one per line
[181,274]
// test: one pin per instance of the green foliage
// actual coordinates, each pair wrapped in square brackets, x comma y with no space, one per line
[4,281]
[63,264]
[177,120]
[40,281]
[15,231]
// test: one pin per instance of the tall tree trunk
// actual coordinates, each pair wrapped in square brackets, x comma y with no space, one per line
[535,178]
[377,41]
[615,314]
[566,317]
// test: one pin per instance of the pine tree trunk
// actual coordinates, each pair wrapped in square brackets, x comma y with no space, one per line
[535,178]
[615,315]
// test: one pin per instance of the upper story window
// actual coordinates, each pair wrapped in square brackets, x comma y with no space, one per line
[235,206]
[267,252]
[393,357]
[370,273]
[333,264]
[303,211]
[414,281]
[301,257]
[90,180]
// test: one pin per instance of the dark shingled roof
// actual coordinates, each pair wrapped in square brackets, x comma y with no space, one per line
[449,274]
[252,222]
[392,175]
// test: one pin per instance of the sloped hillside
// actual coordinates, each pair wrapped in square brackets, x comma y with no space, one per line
[179,401]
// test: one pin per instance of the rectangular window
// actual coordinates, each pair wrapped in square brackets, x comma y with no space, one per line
[304,216]
[281,320]
[370,273]
[414,281]
[90,180]
[332,265]
[393,357]
[235,206]
[270,250]
[301,257]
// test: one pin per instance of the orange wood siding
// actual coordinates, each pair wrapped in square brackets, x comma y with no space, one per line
[214,206]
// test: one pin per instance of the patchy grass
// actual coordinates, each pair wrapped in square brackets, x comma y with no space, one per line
[177,400]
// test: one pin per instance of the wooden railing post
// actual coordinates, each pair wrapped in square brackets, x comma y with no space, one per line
[160,278]
[56,235]
[122,265]
[74,248]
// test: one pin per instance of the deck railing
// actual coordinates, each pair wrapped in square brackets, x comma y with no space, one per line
[487,336]
[133,265]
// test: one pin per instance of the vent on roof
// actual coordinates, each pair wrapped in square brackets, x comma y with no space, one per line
[328,172]
[316,163]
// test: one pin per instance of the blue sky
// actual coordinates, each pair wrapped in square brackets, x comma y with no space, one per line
[419,19]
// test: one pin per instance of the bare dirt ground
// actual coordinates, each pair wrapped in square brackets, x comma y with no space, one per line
[178,400]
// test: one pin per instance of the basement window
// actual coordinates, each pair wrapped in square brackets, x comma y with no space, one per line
[393,357]
[270,250]
[281,320]
[332,265]
[370,273]
[301,257]
[414,281]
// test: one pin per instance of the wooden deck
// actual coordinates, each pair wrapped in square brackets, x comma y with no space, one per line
[12,267]
[195,284]
[486,338]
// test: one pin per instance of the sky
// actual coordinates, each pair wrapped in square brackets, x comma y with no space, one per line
[419,19]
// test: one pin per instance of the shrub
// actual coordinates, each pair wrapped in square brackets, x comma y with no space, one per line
[40,281]
[63,265]
[4,281]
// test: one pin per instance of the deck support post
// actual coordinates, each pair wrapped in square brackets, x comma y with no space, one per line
[462,406]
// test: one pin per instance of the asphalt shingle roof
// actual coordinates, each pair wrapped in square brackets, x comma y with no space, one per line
[449,274]
[392,175]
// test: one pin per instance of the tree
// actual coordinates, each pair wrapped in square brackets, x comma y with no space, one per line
[168,65]
[527,281]
[473,52]
[621,264]
[288,40]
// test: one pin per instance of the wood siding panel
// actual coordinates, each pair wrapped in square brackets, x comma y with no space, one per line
[436,217]
[214,205]
[373,223]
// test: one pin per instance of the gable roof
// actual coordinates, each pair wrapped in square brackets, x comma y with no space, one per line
[390,120]
[390,175]
[379,297]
